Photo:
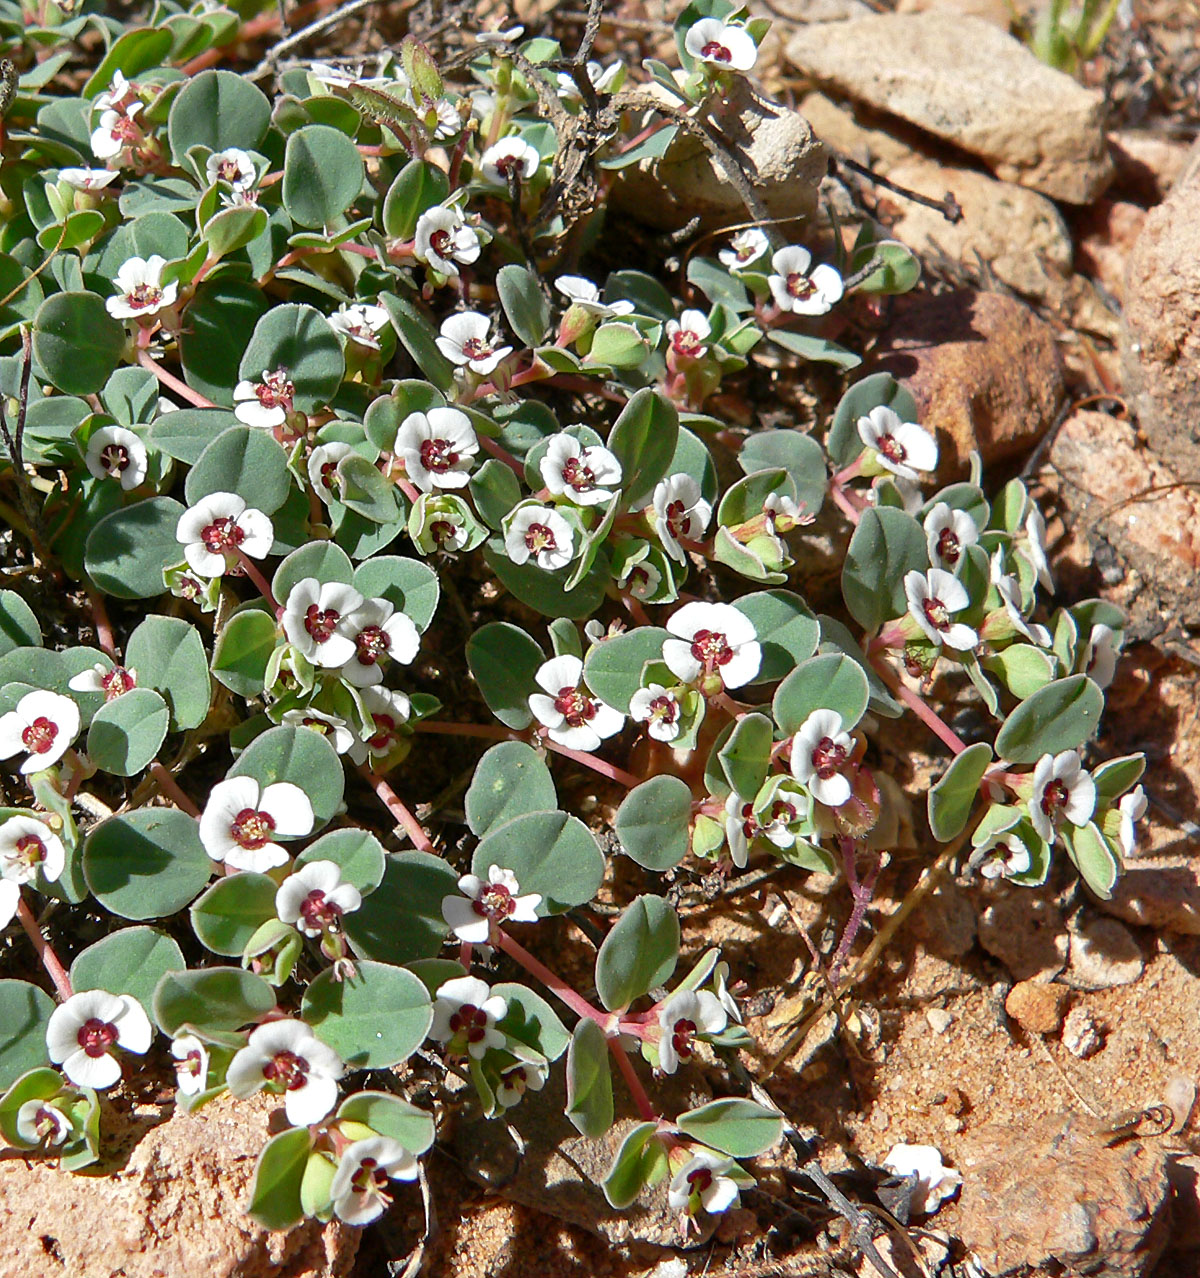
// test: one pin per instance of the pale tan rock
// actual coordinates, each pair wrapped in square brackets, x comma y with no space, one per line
[997,12]
[175,1208]
[1159,892]
[1106,241]
[838,126]
[1015,233]
[1104,953]
[1038,1007]
[983,368]
[967,82]
[1148,161]
[1082,1034]
[1026,933]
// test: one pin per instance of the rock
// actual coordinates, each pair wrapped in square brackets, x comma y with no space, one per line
[175,1207]
[1016,233]
[1148,162]
[846,130]
[939,1019]
[1160,892]
[1122,495]
[946,921]
[1037,1006]
[813,10]
[1104,954]
[984,370]
[1049,1196]
[1160,346]
[1183,1171]
[1026,933]
[997,12]
[1029,123]
[782,159]
[1106,240]
[1082,1035]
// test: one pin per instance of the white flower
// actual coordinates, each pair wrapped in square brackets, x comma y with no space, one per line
[1100,655]
[116,453]
[588,476]
[361,323]
[83,1031]
[466,339]
[740,828]
[948,533]
[504,36]
[319,619]
[658,708]
[1035,531]
[1002,856]
[780,509]
[518,1079]
[904,448]
[1009,589]
[819,752]
[437,448]
[216,528]
[509,158]
[688,334]
[116,130]
[539,533]
[465,1013]
[681,1017]
[797,289]
[641,579]
[935,1181]
[336,77]
[471,915]
[286,1057]
[10,900]
[702,1183]
[237,199]
[449,122]
[933,597]
[602,80]
[575,717]
[331,726]
[322,469]
[789,804]
[241,818]
[265,404]
[1062,790]
[1131,808]
[389,711]
[379,632]
[314,898]
[191,1064]
[140,290]
[28,845]
[680,511]
[44,724]
[727,46]
[116,92]
[39,1121]
[87,179]
[443,241]
[745,248]
[359,1189]
[232,166]
[584,294]
[712,639]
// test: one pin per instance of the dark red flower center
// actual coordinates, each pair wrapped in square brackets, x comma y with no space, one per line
[252,829]
[750,826]
[143,295]
[114,460]
[30,849]
[715,51]
[1054,798]
[222,535]
[438,455]
[664,708]
[711,649]
[936,613]
[782,812]
[275,391]
[891,448]
[229,170]
[948,547]
[540,537]
[116,682]
[495,902]
[441,243]
[687,343]
[321,623]
[96,1036]
[385,732]
[329,474]
[442,531]
[828,757]
[681,1038]
[476,348]
[369,1177]
[286,1068]
[470,1021]
[318,911]
[800,286]
[575,706]
[371,642]
[39,736]
[578,475]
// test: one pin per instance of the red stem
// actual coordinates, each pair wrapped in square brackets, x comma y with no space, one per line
[250,568]
[605,769]
[396,806]
[45,951]
[555,984]
[104,633]
[171,382]
[928,716]
[168,785]
[636,1090]
[843,503]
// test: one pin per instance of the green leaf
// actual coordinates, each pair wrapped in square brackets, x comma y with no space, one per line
[220,322]
[799,454]
[18,626]
[358,854]
[510,780]
[298,340]
[652,822]
[740,1128]
[1094,858]
[219,110]
[835,637]
[231,229]
[146,864]
[831,681]
[886,544]
[525,305]
[716,283]
[34,1084]
[168,655]
[232,910]
[618,345]
[1061,716]
[128,550]
[410,586]
[243,460]
[76,343]
[417,337]
[503,660]
[131,961]
[746,755]
[786,628]
[367,492]
[1115,776]
[24,1012]
[322,175]
[818,350]
[278,1175]
[324,560]
[214,999]
[639,1162]
[375,1018]
[1022,668]
[844,444]
[532,1021]
[613,670]
[899,269]
[953,796]
[546,592]
[131,53]
[243,650]
[495,490]
[126,733]
[401,921]
[643,439]
[302,757]
[589,1081]
[639,953]
[391,1116]
[417,188]
[551,853]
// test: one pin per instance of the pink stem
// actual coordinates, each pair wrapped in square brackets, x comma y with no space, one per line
[555,984]
[171,382]
[502,454]
[168,785]
[250,568]
[843,503]
[104,633]
[395,805]
[928,716]
[727,703]
[605,769]
[636,1090]
[45,951]
[861,893]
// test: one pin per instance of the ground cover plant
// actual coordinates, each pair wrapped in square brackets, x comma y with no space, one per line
[281,373]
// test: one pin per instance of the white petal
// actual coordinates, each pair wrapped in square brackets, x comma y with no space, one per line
[97,1072]
[134,1031]
[310,1103]
[289,807]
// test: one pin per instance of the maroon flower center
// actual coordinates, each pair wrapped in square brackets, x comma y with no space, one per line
[286,1068]
[275,391]
[828,757]
[96,1036]
[750,826]
[46,1123]
[746,252]
[711,648]
[329,474]
[495,902]
[222,535]
[681,1038]
[321,623]
[385,732]
[440,242]
[800,286]
[318,911]
[229,170]
[948,547]
[782,812]
[189,588]
[575,706]
[700,1180]
[891,448]
[638,581]
[516,1079]
[39,736]
[438,455]
[476,348]
[664,708]
[679,519]
[471,1022]
[715,51]
[442,531]
[578,475]
[114,460]
[687,343]
[372,642]
[192,1063]
[508,166]
[252,829]
[30,849]
[1054,798]
[323,726]
[117,682]
[126,130]
[143,295]
[540,537]
[369,1177]
[936,613]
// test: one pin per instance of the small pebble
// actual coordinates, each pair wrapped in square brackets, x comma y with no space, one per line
[1081,1035]
[1038,1007]
[939,1019]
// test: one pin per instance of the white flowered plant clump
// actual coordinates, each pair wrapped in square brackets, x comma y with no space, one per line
[218,530]
[725,46]
[437,448]
[899,447]
[43,726]
[801,288]
[587,476]
[140,289]
[465,1015]
[540,535]
[712,643]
